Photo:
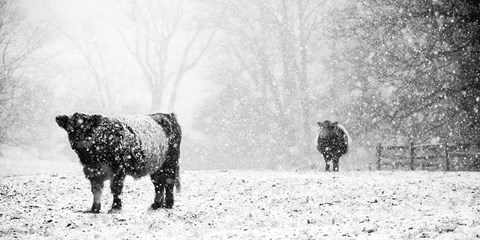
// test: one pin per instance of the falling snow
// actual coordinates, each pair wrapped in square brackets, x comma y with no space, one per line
[249,81]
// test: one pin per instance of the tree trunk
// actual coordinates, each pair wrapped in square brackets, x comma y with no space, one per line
[173,96]
[156,101]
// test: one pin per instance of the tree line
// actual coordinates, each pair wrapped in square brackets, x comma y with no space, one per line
[388,70]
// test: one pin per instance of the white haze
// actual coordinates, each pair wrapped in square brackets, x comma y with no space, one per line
[90,21]
[268,74]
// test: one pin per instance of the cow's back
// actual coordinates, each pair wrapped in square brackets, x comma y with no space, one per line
[333,141]
[149,132]
[147,143]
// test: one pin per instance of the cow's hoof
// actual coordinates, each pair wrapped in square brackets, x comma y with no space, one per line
[95,208]
[169,204]
[95,211]
[116,205]
[156,206]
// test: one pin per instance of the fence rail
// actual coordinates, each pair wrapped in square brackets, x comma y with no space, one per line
[428,156]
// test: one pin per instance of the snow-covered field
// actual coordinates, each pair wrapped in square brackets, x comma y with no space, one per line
[251,205]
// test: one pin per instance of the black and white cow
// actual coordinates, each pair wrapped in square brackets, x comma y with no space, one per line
[332,142]
[109,148]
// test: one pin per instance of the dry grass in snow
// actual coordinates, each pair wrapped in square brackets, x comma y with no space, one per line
[251,205]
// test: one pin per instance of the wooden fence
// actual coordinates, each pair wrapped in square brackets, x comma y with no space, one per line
[454,157]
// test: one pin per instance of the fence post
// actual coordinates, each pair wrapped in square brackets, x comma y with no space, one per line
[412,156]
[447,161]
[379,155]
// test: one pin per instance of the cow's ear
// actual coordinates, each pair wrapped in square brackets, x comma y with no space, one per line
[320,124]
[96,120]
[78,119]
[335,123]
[63,121]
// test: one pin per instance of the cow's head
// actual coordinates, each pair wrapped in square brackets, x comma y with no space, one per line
[327,128]
[327,125]
[80,128]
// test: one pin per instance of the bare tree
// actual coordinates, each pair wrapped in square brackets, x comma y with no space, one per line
[268,48]
[405,59]
[18,42]
[98,66]
[167,39]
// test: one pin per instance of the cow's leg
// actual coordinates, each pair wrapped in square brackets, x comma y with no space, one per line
[169,171]
[97,187]
[327,159]
[116,186]
[335,163]
[171,174]
[169,200]
[177,183]
[158,183]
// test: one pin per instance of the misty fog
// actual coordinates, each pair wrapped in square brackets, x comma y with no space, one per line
[249,80]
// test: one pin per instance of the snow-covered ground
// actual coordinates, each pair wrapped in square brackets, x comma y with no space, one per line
[17,161]
[251,205]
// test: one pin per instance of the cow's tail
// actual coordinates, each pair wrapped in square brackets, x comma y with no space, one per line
[178,185]
[347,138]
[175,141]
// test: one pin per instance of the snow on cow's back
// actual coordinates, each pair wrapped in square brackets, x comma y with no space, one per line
[149,132]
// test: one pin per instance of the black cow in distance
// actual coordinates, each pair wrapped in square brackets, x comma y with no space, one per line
[332,143]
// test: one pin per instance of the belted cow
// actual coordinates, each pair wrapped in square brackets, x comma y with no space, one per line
[332,142]
[109,148]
